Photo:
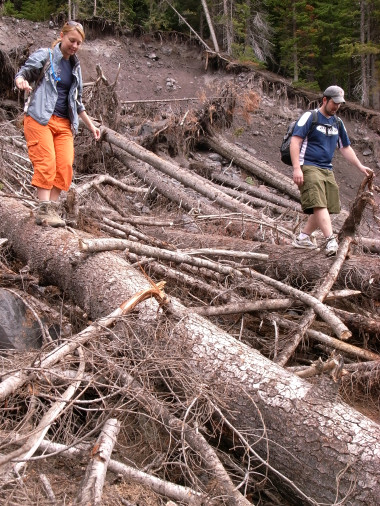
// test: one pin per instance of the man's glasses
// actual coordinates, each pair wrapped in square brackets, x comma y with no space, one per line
[75,23]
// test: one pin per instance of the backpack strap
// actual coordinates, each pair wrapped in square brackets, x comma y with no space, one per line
[314,120]
[339,123]
[43,70]
[38,81]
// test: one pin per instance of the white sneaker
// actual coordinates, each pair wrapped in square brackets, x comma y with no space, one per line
[306,243]
[331,246]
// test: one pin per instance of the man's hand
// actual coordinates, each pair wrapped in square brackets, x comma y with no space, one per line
[350,155]
[366,170]
[295,147]
[298,176]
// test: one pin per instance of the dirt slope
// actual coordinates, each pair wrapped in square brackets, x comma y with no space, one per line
[152,69]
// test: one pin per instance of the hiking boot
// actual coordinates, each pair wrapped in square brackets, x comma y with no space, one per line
[47,215]
[307,242]
[331,246]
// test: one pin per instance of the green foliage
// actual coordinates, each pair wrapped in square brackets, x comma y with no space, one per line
[39,10]
[158,18]
[10,10]
[239,131]
[308,85]
[243,53]
[318,42]
[111,10]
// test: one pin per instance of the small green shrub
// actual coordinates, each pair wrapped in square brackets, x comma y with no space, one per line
[239,131]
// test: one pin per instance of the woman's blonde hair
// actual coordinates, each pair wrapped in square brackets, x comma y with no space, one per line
[68,27]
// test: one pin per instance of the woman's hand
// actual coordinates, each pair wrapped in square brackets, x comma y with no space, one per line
[22,84]
[90,125]
[96,132]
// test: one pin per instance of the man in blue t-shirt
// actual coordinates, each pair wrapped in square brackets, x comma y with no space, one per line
[312,149]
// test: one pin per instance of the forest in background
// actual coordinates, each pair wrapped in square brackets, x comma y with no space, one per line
[313,43]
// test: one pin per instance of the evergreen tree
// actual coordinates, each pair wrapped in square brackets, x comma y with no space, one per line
[39,10]
[293,25]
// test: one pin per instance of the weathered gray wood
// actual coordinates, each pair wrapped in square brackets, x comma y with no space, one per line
[358,272]
[201,185]
[164,488]
[91,489]
[248,162]
[162,184]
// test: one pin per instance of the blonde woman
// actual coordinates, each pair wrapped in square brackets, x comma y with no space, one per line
[52,115]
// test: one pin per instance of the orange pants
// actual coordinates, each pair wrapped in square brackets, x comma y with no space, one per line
[51,151]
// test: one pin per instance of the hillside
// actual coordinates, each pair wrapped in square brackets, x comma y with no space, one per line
[154,69]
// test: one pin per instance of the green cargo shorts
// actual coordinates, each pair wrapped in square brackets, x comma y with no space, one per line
[319,190]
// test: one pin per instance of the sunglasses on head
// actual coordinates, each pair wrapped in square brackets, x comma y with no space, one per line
[75,23]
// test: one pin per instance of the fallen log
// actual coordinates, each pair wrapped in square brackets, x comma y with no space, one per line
[129,230]
[247,162]
[185,177]
[331,342]
[358,272]
[262,196]
[343,445]
[162,184]
[164,488]
[244,306]
[97,245]
[175,171]
[370,325]
[346,236]
[166,272]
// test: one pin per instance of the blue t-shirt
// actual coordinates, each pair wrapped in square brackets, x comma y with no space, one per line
[63,87]
[319,145]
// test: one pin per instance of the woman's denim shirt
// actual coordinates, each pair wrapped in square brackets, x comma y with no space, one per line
[44,98]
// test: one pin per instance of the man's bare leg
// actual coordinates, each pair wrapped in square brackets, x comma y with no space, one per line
[319,219]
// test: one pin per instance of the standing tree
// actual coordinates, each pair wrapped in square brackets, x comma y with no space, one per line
[295,47]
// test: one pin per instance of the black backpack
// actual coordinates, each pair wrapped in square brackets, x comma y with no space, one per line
[285,146]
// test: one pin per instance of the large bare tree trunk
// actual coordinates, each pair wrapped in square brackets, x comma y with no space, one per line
[210,25]
[162,184]
[173,170]
[315,446]
[248,162]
